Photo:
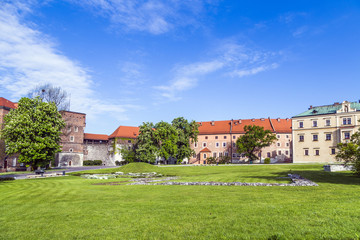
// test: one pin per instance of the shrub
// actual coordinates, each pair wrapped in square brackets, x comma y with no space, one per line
[92,163]
[267,160]
[224,159]
[6,178]
[117,163]
[211,160]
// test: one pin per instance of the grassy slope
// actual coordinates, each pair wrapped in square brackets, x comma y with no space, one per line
[73,208]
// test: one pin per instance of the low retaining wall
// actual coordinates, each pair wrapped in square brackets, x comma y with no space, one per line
[338,168]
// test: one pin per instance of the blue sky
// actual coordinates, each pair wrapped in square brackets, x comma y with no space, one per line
[125,62]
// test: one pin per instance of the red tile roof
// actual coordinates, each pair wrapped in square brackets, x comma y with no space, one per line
[92,136]
[219,127]
[205,150]
[6,103]
[125,132]
[281,125]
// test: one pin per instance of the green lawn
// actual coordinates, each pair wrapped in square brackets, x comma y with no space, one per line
[73,208]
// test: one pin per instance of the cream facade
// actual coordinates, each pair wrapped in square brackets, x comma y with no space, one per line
[317,131]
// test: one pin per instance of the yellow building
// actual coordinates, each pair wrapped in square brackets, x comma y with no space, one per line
[317,131]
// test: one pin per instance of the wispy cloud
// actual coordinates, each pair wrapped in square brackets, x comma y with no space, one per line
[230,60]
[28,58]
[153,16]
[131,73]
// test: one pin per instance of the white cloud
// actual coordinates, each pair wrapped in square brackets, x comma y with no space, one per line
[28,59]
[231,59]
[153,16]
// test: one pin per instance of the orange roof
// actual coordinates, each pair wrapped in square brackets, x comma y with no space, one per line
[205,150]
[91,136]
[281,125]
[125,132]
[219,127]
[6,103]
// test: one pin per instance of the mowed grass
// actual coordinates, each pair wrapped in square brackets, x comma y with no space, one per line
[75,208]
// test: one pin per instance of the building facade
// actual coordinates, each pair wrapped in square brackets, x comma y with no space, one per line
[218,139]
[96,147]
[122,137]
[317,131]
[72,140]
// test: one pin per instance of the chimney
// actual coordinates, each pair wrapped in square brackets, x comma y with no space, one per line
[287,119]
[310,107]
[278,119]
[200,123]
[253,120]
[212,123]
[336,103]
[239,121]
[262,119]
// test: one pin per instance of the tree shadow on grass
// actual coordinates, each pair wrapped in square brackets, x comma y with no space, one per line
[345,177]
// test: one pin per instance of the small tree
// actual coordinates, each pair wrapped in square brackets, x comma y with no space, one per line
[187,133]
[128,154]
[254,139]
[349,152]
[33,131]
[211,160]
[146,147]
[166,138]
[51,94]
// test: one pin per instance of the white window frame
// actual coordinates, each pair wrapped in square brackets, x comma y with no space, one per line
[224,144]
[72,139]
[217,144]
[76,129]
[204,144]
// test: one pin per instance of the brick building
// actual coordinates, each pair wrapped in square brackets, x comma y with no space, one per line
[218,138]
[72,140]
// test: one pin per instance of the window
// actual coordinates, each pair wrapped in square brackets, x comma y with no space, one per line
[234,144]
[224,144]
[71,150]
[278,144]
[278,136]
[317,152]
[301,124]
[268,154]
[220,154]
[205,156]
[327,122]
[347,135]
[301,138]
[76,129]
[287,144]
[206,137]
[234,155]
[224,137]
[217,144]
[194,156]
[286,152]
[349,121]
[279,152]
[328,137]
[333,151]
[69,129]
[72,138]
[314,123]
[234,137]
[346,121]
[214,154]
[315,137]
[287,136]
[306,152]
[226,154]
[195,145]
[129,141]
[216,137]
[204,144]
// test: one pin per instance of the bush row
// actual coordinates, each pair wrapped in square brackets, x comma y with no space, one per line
[92,163]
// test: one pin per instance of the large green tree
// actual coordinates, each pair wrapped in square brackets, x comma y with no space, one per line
[166,138]
[254,139]
[349,152]
[187,134]
[33,131]
[146,147]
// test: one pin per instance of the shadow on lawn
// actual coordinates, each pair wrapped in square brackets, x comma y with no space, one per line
[318,176]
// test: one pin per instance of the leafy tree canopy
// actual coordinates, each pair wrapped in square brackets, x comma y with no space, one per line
[254,139]
[146,147]
[350,152]
[33,131]
[166,138]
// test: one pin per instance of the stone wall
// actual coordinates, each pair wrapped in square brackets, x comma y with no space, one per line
[69,159]
[98,151]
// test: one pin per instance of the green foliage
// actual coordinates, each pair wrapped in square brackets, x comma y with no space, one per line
[117,163]
[211,160]
[350,152]
[33,131]
[146,148]
[92,163]
[254,139]
[267,161]
[166,138]
[128,154]
[187,133]
[224,159]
